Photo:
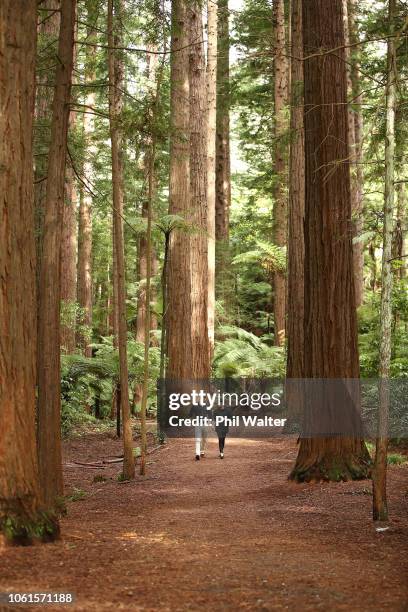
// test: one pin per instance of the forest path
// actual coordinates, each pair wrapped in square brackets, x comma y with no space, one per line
[217,535]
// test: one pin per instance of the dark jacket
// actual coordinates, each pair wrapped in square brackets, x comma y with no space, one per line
[199,411]
[222,428]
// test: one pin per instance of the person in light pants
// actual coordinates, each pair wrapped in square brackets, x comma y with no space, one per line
[200,432]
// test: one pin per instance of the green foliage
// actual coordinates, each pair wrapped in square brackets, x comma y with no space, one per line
[396,459]
[23,530]
[271,257]
[76,495]
[369,330]
[87,380]
[241,353]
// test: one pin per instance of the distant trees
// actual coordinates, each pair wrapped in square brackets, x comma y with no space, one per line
[22,511]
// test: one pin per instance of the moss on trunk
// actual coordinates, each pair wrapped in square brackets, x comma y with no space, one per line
[331,460]
[22,528]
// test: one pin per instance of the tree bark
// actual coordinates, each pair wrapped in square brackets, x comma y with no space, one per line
[151,182]
[280,164]
[69,263]
[355,142]
[400,250]
[200,350]
[296,244]
[69,253]
[178,314]
[211,161]
[49,401]
[115,109]
[85,207]
[22,516]
[150,159]
[223,158]
[330,327]
[152,60]
[48,35]
[380,509]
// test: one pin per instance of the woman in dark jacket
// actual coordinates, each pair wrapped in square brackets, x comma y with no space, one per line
[222,427]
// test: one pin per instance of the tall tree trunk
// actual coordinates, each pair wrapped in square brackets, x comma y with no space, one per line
[22,517]
[296,244]
[48,34]
[211,160]
[141,274]
[200,352]
[380,509]
[152,60]
[85,207]
[355,127]
[280,164]
[69,253]
[115,109]
[69,263]
[178,314]
[151,183]
[115,412]
[150,159]
[400,250]
[330,328]
[223,160]
[49,401]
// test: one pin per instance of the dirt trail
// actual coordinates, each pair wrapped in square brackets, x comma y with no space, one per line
[217,535]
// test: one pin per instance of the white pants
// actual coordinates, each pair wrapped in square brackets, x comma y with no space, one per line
[200,439]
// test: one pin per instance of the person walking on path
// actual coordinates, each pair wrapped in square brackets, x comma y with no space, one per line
[222,421]
[200,431]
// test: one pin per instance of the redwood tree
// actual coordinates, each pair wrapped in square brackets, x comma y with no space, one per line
[280,164]
[178,309]
[211,160]
[49,400]
[115,107]
[85,207]
[296,246]
[223,157]
[200,352]
[47,35]
[330,326]
[22,516]
[69,253]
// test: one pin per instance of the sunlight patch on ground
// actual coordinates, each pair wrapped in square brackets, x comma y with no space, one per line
[154,538]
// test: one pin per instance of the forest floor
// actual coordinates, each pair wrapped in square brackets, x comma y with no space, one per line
[216,535]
